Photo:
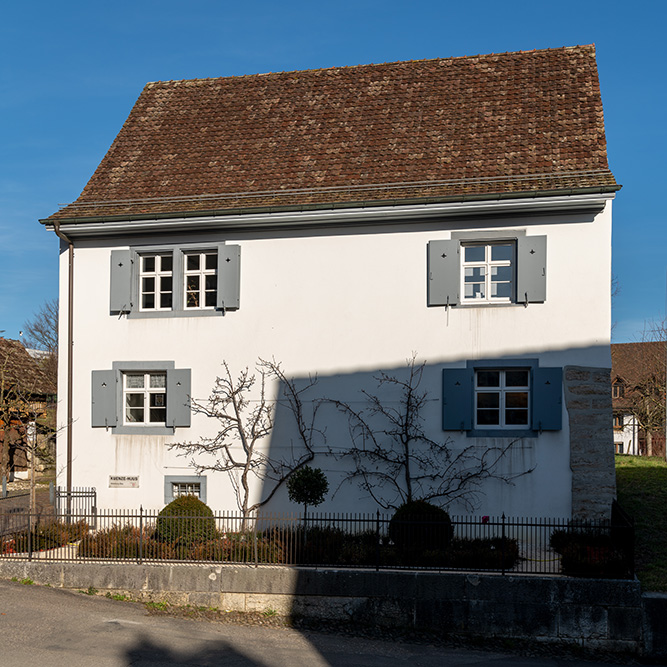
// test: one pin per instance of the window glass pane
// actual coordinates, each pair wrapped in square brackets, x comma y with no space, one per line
[501,290]
[474,253]
[210,299]
[149,264]
[134,400]
[211,282]
[488,400]
[157,400]
[474,274]
[158,380]
[474,291]
[212,261]
[518,378]
[516,399]
[165,300]
[516,417]
[134,381]
[158,415]
[501,252]
[148,285]
[488,378]
[192,262]
[166,284]
[192,300]
[166,262]
[501,273]
[488,417]
[192,283]
[148,301]
[134,414]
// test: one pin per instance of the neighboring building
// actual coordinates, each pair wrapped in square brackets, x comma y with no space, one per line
[337,220]
[26,395]
[638,397]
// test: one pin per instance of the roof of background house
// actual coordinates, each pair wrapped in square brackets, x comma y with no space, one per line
[633,361]
[429,130]
[20,371]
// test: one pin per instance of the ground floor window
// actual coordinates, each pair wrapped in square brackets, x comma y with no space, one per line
[176,486]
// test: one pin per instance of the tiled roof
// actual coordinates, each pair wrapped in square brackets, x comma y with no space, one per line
[21,372]
[633,363]
[442,129]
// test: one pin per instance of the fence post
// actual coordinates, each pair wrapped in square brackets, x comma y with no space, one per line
[377,540]
[502,546]
[254,536]
[4,486]
[30,529]
[141,533]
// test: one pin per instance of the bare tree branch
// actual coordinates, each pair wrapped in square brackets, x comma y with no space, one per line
[394,461]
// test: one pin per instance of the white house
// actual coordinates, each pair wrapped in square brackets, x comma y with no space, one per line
[337,221]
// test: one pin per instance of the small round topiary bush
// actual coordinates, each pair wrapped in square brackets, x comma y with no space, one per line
[186,520]
[419,526]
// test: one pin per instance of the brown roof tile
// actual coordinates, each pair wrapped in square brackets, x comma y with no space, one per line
[20,372]
[445,128]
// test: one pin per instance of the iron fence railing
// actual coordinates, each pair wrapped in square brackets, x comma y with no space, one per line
[481,544]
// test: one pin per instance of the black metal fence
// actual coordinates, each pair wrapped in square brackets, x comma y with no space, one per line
[481,544]
[80,501]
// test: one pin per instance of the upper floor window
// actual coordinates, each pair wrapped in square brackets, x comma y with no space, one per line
[487,272]
[618,421]
[201,276]
[175,281]
[156,282]
[484,268]
[618,390]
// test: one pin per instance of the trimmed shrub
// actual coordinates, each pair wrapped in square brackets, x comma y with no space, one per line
[419,526]
[186,521]
[307,486]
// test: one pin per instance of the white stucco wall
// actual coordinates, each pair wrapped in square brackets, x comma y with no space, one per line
[342,303]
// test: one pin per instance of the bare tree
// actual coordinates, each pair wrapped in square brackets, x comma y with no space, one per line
[645,392]
[41,333]
[245,423]
[394,461]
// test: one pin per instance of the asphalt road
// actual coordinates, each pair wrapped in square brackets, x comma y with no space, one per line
[42,626]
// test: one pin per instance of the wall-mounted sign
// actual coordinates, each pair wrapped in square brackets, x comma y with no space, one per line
[123,481]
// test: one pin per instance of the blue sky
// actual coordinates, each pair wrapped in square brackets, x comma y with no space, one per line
[70,73]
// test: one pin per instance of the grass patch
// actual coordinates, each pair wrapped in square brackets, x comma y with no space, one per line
[642,491]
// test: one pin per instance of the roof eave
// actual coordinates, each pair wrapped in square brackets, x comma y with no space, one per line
[335,213]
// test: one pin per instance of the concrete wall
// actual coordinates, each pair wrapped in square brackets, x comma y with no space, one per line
[601,614]
[342,303]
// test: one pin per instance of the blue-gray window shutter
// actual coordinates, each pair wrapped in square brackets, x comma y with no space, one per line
[121,281]
[229,277]
[178,397]
[531,269]
[444,273]
[104,409]
[547,399]
[457,399]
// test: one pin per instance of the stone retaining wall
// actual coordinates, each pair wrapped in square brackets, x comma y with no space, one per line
[601,614]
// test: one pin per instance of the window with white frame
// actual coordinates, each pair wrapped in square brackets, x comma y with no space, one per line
[186,489]
[502,398]
[156,284]
[144,398]
[487,272]
[201,279]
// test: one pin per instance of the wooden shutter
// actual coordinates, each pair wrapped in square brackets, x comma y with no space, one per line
[104,399]
[547,399]
[229,277]
[457,399]
[121,282]
[444,273]
[531,269]
[178,397]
